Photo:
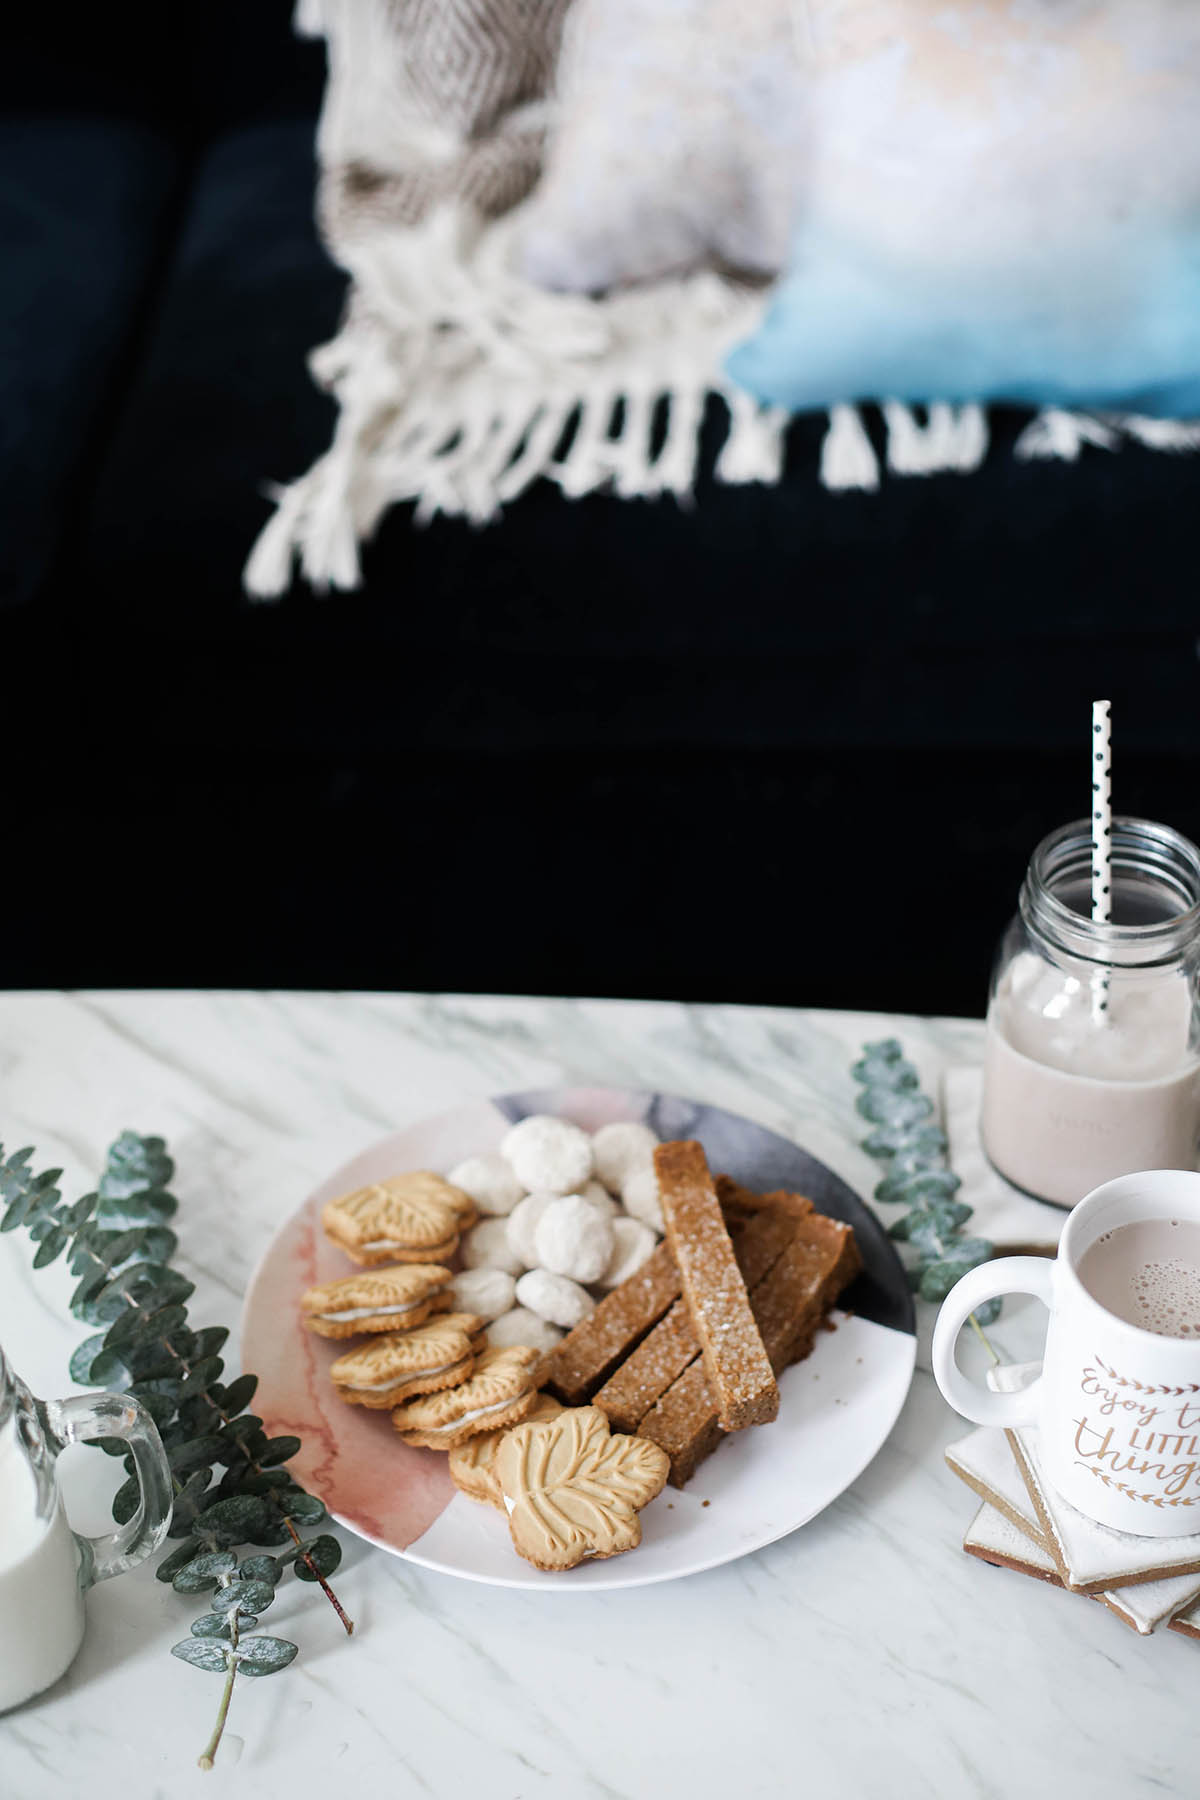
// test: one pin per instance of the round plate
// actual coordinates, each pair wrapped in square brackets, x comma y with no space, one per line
[836,1408]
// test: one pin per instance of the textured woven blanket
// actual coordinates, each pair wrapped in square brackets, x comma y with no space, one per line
[564,219]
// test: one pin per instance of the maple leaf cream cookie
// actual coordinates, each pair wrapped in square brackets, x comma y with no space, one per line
[573,1490]
[407,1218]
[501,1391]
[432,1357]
[392,1299]
[473,1464]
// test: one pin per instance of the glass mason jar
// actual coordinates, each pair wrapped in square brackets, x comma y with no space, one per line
[1092,1059]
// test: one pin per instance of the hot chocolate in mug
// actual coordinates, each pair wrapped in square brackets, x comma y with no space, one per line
[1117,1406]
[44,1567]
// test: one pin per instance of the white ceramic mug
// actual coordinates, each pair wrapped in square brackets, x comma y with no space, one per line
[1117,1408]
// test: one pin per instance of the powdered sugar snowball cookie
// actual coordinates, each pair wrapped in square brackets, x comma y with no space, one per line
[620,1148]
[490,1182]
[640,1194]
[597,1195]
[548,1155]
[573,1238]
[633,1244]
[522,1223]
[554,1297]
[487,1247]
[520,1326]
[488,1292]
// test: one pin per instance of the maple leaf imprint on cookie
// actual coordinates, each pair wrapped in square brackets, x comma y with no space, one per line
[436,1344]
[574,1489]
[406,1209]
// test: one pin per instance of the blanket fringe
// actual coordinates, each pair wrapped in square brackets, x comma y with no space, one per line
[954,438]
[459,384]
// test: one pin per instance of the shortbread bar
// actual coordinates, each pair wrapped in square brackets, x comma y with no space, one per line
[788,1305]
[739,1370]
[631,1391]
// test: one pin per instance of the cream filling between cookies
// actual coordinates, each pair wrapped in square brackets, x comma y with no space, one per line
[372,1312]
[480,1412]
[394,1244]
[380,1387]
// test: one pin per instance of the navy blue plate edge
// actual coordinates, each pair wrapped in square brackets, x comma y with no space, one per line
[762,1159]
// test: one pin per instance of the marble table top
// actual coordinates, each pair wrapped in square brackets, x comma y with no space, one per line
[865,1655]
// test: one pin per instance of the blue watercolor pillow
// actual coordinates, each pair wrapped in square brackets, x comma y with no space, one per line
[1000,202]
[844,326]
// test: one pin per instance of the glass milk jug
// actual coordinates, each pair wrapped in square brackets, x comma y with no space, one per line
[1092,1059]
[44,1567]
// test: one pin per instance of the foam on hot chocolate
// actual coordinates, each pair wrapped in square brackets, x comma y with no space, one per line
[1148,1273]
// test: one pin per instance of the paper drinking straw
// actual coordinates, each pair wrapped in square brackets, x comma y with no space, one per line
[1101,839]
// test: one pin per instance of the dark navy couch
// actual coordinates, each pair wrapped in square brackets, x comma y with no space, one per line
[781,745]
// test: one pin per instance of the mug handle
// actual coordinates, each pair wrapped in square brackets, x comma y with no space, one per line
[1011,1275]
[85,1416]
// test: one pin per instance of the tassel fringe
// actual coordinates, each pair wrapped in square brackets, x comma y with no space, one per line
[459,385]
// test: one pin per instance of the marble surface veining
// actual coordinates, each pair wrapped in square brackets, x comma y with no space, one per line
[864,1656]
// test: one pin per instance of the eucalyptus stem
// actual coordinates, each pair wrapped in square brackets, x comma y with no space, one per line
[208,1755]
[328,1592]
[982,1335]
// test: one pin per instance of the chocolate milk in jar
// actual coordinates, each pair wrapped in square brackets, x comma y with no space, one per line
[1092,1059]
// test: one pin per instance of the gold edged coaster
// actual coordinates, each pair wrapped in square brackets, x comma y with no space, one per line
[993,1538]
[1091,1558]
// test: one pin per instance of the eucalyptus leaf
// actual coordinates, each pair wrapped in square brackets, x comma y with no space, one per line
[304,1509]
[170,1565]
[126,1500]
[51,1247]
[82,1358]
[194,1454]
[77,1216]
[204,1572]
[239,1394]
[888,1139]
[918,1189]
[249,1596]
[264,1655]
[133,1164]
[210,1340]
[278,1450]
[883,1107]
[152,1207]
[217,1625]
[137,1326]
[876,1072]
[188,1502]
[261,1568]
[989,1312]
[203,1653]
[324,1552]
[243,1513]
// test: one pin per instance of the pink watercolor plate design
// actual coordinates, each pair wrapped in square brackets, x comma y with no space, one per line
[837,1408]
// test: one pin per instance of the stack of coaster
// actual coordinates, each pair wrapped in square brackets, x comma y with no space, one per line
[1024,1525]
[688,1349]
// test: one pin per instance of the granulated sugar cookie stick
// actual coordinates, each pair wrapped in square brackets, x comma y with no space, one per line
[739,1370]
[631,1391]
[788,1304]
[740,1204]
[585,1358]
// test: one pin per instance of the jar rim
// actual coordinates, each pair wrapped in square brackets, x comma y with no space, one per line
[1137,845]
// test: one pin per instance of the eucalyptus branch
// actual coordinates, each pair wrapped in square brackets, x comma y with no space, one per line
[119,1245]
[919,1176]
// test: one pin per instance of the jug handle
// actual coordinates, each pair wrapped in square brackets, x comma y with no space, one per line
[87,1416]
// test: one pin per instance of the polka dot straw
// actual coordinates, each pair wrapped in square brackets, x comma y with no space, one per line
[1101,836]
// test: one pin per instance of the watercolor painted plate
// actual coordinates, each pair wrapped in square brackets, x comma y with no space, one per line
[837,1407]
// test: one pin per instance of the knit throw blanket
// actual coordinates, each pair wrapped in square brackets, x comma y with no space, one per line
[561,217]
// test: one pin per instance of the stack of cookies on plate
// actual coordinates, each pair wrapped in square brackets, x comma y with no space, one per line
[683,1349]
